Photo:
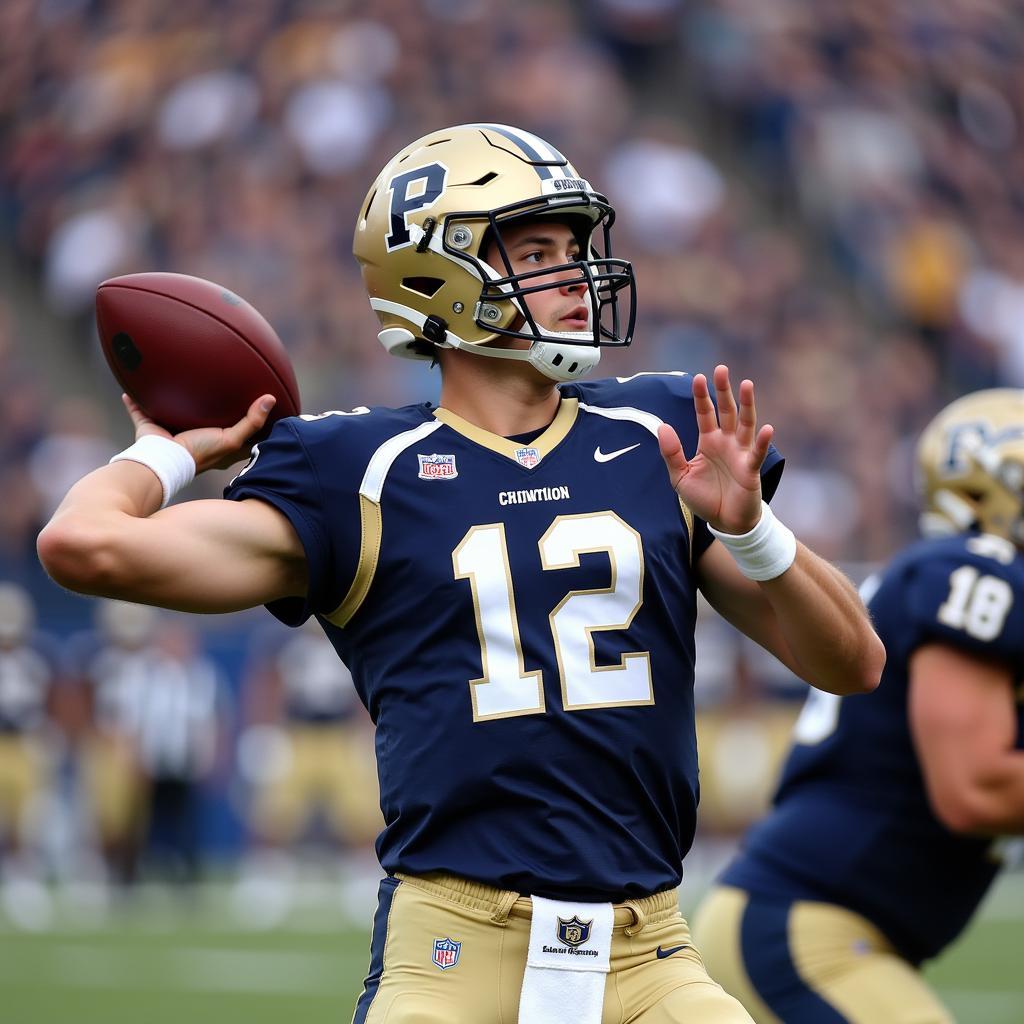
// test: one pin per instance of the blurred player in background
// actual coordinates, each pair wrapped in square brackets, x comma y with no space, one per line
[881,842]
[112,664]
[155,717]
[322,770]
[306,755]
[178,734]
[29,748]
[511,578]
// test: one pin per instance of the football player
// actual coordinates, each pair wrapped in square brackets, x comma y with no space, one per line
[112,664]
[511,578]
[880,844]
[29,755]
[302,699]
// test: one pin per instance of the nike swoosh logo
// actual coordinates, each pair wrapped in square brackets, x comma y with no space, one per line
[601,456]
[663,953]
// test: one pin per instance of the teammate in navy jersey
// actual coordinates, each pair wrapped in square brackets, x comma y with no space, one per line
[880,844]
[512,580]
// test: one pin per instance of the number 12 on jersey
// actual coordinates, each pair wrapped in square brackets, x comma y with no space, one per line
[505,688]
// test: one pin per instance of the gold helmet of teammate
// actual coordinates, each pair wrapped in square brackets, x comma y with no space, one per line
[429,221]
[970,464]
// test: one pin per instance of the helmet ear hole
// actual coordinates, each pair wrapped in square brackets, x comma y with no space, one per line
[369,203]
[428,286]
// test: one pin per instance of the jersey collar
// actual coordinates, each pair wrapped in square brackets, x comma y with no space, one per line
[556,431]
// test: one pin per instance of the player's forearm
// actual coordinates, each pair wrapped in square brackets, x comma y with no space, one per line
[825,626]
[127,488]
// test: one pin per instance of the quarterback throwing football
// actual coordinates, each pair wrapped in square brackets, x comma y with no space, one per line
[512,579]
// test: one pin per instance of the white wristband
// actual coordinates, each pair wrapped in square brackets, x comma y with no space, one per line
[172,462]
[766,551]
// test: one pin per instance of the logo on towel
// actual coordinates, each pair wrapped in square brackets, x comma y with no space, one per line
[446,953]
[573,932]
[437,467]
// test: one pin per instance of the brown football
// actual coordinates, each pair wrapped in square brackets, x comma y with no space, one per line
[190,352]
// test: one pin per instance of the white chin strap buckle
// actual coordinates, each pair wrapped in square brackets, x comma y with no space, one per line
[564,362]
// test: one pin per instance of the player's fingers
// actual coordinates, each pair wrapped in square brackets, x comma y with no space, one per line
[134,411]
[251,422]
[672,452]
[141,422]
[724,396]
[703,406]
[759,451]
[747,423]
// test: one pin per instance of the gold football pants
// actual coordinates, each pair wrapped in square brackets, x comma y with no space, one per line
[23,765]
[330,768]
[800,962]
[449,951]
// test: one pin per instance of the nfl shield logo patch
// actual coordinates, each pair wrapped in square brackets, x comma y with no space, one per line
[446,953]
[437,467]
[528,457]
[573,932]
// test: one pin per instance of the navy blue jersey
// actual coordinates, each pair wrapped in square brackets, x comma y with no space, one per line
[852,823]
[518,619]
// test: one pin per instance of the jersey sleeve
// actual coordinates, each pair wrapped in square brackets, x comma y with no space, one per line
[974,604]
[325,518]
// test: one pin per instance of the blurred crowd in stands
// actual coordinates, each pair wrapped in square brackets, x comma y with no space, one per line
[827,196]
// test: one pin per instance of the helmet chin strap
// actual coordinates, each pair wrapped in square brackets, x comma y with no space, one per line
[551,358]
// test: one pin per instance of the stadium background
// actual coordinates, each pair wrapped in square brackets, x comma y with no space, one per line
[826,196]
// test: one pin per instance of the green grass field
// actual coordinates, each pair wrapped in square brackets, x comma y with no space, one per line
[157,962]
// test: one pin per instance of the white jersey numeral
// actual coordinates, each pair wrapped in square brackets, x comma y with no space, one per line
[818,717]
[976,604]
[581,613]
[505,688]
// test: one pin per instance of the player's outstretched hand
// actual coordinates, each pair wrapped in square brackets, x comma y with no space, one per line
[211,447]
[722,482]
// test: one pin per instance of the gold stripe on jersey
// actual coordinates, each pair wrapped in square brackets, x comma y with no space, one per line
[547,442]
[688,519]
[369,554]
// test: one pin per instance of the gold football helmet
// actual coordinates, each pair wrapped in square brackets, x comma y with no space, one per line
[970,466]
[431,217]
